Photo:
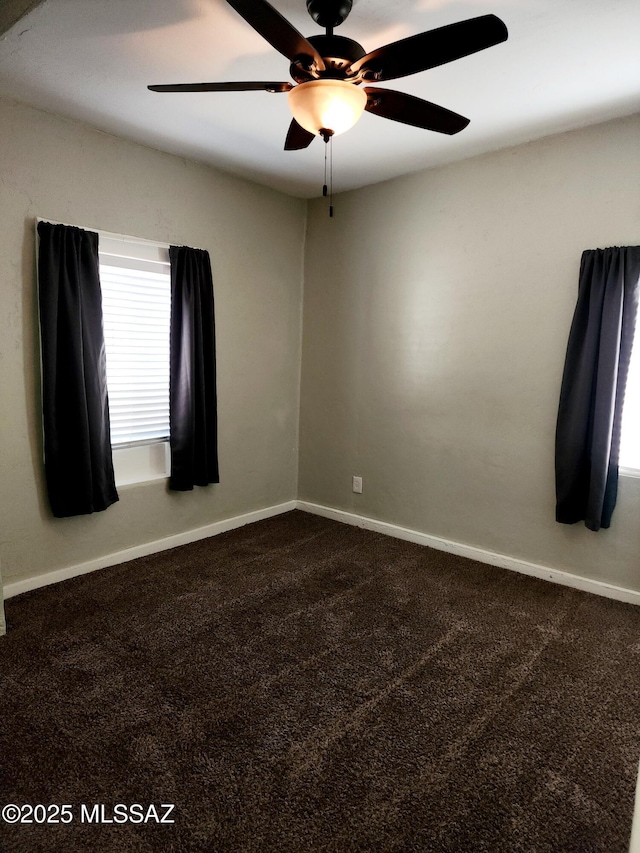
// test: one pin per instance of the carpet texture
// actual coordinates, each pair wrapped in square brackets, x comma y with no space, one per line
[302,685]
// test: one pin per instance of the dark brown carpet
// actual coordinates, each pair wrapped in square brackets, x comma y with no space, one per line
[301,685]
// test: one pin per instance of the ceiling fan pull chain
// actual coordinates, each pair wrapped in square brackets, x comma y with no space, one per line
[331,176]
[324,186]
[327,136]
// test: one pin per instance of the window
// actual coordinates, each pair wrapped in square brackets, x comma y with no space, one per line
[136,303]
[630,436]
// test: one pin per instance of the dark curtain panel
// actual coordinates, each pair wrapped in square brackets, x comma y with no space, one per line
[77,443]
[593,385]
[193,405]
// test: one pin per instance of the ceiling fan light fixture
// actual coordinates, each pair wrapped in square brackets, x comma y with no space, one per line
[333,105]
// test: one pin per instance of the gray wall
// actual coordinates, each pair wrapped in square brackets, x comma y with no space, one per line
[63,171]
[436,314]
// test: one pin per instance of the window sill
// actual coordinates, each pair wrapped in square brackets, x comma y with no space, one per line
[629,472]
[141,463]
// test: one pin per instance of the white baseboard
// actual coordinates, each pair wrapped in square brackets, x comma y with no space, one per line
[501,560]
[157,545]
[618,593]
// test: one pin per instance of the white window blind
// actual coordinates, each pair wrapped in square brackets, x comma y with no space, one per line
[136,305]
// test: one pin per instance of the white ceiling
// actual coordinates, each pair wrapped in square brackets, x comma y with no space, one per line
[567,63]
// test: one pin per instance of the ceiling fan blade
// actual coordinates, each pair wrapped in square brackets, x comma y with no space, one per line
[433,48]
[248,86]
[297,137]
[278,31]
[408,109]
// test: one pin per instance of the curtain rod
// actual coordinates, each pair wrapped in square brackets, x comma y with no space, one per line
[109,234]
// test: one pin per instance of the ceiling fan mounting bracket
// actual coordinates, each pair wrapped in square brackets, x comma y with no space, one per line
[329,13]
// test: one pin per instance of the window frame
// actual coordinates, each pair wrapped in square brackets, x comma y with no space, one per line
[133,463]
[148,459]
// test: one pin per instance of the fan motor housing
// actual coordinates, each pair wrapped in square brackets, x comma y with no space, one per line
[338,54]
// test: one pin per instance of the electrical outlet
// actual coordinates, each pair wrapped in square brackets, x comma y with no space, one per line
[357,485]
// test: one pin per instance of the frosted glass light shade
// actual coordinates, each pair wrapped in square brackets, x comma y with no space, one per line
[327,105]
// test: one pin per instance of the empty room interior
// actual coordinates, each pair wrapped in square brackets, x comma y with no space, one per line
[380,624]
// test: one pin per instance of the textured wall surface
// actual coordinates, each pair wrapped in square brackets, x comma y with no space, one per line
[436,317]
[59,170]
[436,314]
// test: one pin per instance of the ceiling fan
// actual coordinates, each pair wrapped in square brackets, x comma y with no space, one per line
[329,70]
